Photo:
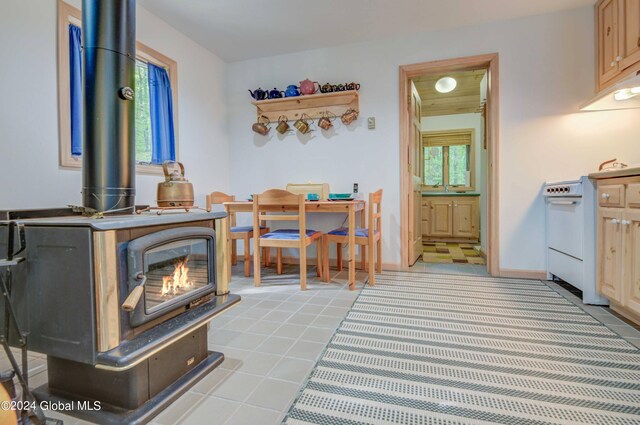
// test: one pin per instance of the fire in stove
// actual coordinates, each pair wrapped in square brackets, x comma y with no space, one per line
[171,285]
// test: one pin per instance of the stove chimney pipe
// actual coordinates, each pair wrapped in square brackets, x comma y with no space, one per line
[108,152]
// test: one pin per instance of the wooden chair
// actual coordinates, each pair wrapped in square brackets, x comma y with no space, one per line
[263,210]
[237,232]
[369,237]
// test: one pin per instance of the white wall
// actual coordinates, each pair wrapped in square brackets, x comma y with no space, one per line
[29,104]
[546,71]
[464,121]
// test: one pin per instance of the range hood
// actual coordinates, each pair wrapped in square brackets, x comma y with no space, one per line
[623,95]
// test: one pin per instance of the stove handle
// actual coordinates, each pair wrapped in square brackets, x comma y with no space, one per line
[562,202]
[134,297]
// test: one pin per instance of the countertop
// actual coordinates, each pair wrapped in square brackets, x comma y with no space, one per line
[449,194]
[633,170]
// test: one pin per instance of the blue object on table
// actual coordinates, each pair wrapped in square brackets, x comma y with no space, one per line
[313,197]
[292,90]
[341,196]
[288,234]
[344,231]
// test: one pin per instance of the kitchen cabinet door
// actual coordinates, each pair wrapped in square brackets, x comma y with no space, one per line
[631,229]
[611,195]
[607,41]
[426,222]
[441,219]
[629,32]
[609,254]
[464,218]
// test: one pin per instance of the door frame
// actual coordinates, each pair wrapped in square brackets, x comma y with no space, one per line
[492,131]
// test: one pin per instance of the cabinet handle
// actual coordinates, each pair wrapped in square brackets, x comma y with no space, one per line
[615,221]
[605,196]
[613,63]
[625,222]
[618,58]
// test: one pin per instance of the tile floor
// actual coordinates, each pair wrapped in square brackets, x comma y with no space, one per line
[272,340]
[451,252]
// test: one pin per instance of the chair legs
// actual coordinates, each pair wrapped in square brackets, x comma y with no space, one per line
[234,252]
[379,262]
[325,260]
[303,268]
[339,256]
[279,261]
[372,262]
[247,256]
[363,254]
[267,256]
[319,246]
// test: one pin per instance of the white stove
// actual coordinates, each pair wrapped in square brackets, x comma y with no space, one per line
[571,235]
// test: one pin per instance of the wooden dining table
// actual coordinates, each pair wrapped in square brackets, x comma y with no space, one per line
[348,207]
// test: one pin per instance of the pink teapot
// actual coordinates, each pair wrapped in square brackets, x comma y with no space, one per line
[309,87]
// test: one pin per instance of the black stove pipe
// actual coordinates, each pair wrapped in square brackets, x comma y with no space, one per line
[108,152]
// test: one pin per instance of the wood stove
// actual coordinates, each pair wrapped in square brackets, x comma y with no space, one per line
[72,290]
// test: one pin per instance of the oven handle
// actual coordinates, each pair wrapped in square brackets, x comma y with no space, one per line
[563,202]
[134,297]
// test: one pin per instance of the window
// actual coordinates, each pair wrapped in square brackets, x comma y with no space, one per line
[155,88]
[448,160]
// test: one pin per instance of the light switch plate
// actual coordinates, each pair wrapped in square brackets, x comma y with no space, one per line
[371,123]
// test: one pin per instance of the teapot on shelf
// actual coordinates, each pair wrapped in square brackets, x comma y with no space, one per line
[259,94]
[309,87]
[326,88]
[292,90]
[275,93]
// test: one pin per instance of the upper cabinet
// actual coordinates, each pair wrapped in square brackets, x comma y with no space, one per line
[617,40]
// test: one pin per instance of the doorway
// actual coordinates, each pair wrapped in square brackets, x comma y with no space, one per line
[442,164]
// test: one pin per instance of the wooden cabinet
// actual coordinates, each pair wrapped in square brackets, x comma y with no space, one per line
[451,218]
[617,40]
[618,244]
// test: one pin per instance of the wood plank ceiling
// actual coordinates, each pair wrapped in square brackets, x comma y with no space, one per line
[464,99]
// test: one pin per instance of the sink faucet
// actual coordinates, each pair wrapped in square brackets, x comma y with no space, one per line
[446,187]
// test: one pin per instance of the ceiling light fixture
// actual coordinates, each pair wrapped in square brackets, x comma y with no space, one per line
[446,84]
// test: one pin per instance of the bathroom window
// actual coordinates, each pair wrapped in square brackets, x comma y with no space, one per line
[448,160]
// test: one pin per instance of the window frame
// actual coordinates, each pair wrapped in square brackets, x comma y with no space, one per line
[68,14]
[425,135]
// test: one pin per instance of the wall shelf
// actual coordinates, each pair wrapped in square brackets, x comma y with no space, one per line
[313,105]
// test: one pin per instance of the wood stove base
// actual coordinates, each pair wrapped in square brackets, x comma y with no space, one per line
[134,396]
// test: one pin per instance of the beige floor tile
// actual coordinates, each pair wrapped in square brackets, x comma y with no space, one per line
[292,369]
[305,350]
[259,363]
[212,380]
[237,386]
[251,415]
[211,410]
[264,327]
[321,335]
[179,408]
[276,345]
[290,331]
[274,394]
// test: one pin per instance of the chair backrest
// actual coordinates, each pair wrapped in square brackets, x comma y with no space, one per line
[375,212]
[274,200]
[218,198]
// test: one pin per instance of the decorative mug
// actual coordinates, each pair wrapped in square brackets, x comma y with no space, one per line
[339,87]
[325,122]
[260,127]
[352,86]
[349,116]
[302,124]
[283,125]
[326,88]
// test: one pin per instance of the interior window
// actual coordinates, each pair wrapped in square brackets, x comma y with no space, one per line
[143,114]
[448,160]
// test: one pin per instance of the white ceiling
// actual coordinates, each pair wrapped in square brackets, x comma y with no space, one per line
[243,29]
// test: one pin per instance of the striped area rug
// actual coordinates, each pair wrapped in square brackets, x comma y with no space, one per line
[424,349]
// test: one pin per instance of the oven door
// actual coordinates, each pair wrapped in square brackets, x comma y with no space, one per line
[565,225]
[178,266]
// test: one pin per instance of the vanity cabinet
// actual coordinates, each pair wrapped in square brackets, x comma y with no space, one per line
[617,40]
[618,244]
[451,218]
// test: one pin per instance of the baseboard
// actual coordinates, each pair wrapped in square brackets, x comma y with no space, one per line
[523,274]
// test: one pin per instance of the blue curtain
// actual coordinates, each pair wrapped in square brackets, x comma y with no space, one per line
[161,110]
[75,70]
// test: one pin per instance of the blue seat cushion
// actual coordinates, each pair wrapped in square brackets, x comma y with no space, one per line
[238,229]
[344,231]
[287,234]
